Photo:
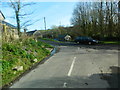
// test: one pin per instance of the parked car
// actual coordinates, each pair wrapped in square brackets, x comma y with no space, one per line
[85,40]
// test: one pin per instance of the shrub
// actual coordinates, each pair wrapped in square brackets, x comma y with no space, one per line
[20,53]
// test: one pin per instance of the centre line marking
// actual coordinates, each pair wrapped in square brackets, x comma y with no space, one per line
[71,68]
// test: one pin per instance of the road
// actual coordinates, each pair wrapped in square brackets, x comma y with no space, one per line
[74,66]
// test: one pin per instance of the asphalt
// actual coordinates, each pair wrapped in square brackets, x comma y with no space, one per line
[75,66]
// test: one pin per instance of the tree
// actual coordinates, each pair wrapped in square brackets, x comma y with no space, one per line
[119,11]
[79,18]
[18,6]
[101,18]
[118,31]
[97,19]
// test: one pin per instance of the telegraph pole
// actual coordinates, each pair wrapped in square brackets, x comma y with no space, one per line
[45,28]
[45,23]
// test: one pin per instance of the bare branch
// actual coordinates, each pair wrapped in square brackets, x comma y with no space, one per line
[26,14]
[29,23]
[12,5]
[23,24]
[28,4]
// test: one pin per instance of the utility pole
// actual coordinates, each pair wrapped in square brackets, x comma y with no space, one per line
[60,23]
[45,28]
[45,23]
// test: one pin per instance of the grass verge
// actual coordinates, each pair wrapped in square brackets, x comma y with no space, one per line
[51,40]
[24,54]
[110,42]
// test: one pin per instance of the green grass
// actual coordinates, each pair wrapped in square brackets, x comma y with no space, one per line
[51,40]
[20,54]
[110,42]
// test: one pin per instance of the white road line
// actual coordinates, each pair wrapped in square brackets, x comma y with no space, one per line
[71,68]
[78,48]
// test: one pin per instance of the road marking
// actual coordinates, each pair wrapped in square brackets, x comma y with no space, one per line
[78,48]
[71,68]
[65,85]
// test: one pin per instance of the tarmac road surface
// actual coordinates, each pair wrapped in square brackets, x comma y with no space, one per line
[74,66]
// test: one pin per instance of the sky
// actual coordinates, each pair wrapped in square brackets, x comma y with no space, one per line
[55,13]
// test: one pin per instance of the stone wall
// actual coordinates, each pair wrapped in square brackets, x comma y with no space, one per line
[8,33]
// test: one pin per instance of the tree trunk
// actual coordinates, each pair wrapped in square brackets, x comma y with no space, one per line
[18,23]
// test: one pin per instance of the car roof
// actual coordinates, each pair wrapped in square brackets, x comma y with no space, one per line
[83,37]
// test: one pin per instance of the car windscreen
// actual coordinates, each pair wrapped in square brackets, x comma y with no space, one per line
[90,38]
[87,38]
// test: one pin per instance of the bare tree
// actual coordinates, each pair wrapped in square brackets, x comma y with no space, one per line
[119,11]
[97,19]
[118,31]
[18,6]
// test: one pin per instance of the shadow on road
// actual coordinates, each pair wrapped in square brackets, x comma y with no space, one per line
[113,78]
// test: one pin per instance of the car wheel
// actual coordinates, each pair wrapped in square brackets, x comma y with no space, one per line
[89,43]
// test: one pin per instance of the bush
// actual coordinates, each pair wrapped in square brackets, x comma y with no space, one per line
[5,64]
